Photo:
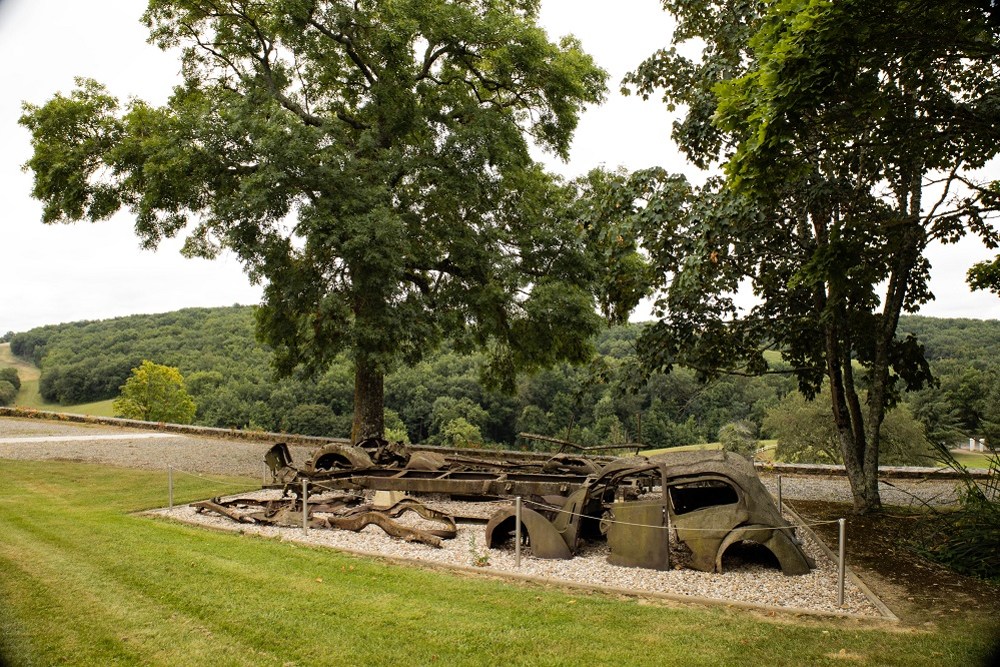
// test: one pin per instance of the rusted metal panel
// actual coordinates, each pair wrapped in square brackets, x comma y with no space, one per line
[637,535]
[542,536]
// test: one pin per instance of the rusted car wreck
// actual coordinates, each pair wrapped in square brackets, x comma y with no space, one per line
[675,509]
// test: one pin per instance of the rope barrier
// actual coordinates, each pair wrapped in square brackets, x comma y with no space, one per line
[644,525]
[557,510]
[207,479]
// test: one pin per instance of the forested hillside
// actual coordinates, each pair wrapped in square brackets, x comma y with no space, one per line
[442,400]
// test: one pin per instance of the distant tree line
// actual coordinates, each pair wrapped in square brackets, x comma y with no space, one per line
[441,399]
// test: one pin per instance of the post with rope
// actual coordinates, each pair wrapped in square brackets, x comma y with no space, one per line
[170,486]
[779,494]
[517,531]
[666,520]
[305,507]
[840,564]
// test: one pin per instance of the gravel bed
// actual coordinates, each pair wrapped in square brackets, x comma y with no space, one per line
[743,581]
[204,455]
[910,493]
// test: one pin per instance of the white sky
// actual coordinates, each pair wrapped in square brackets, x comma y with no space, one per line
[64,273]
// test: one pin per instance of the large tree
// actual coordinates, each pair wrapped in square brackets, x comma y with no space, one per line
[367,161]
[850,133]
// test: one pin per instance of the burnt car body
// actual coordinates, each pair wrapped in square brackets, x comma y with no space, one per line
[705,501]
[695,505]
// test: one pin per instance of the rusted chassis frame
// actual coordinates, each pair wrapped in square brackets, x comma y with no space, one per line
[706,501]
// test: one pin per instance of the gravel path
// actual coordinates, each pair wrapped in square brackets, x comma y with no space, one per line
[748,582]
[37,439]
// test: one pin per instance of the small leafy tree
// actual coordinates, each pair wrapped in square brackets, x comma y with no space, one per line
[395,428]
[10,375]
[155,393]
[460,433]
[7,393]
[806,433]
[739,437]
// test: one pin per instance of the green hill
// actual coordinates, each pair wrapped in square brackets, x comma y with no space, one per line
[83,364]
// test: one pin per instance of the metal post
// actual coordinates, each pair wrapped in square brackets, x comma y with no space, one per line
[666,517]
[517,531]
[779,494]
[305,507]
[170,486]
[841,564]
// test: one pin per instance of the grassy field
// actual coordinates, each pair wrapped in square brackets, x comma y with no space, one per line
[29,397]
[972,459]
[84,581]
[767,445]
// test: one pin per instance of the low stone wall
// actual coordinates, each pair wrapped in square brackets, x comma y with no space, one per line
[885,472]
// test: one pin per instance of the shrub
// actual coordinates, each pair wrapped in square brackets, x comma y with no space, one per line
[739,437]
[10,375]
[311,419]
[967,540]
[7,393]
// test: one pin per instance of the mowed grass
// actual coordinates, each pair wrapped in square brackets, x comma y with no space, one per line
[973,459]
[85,582]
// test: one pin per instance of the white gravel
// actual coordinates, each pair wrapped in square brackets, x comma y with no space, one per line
[748,583]
[741,582]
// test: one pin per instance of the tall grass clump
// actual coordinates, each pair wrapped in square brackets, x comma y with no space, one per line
[967,539]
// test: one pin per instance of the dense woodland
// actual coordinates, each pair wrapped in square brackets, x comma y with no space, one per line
[441,400]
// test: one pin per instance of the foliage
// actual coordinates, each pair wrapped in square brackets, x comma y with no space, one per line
[477,557]
[368,162]
[967,540]
[740,438]
[805,431]
[10,375]
[155,393]
[314,419]
[7,392]
[459,433]
[823,212]
[227,372]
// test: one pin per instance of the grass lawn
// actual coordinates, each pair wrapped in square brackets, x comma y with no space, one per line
[972,459]
[85,582]
[767,445]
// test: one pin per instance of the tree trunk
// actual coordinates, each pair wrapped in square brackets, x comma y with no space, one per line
[369,415]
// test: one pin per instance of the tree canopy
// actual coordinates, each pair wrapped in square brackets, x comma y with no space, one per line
[850,133]
[229,376]
[368,162]
[154,392]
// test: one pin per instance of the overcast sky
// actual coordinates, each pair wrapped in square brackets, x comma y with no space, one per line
[64,273]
